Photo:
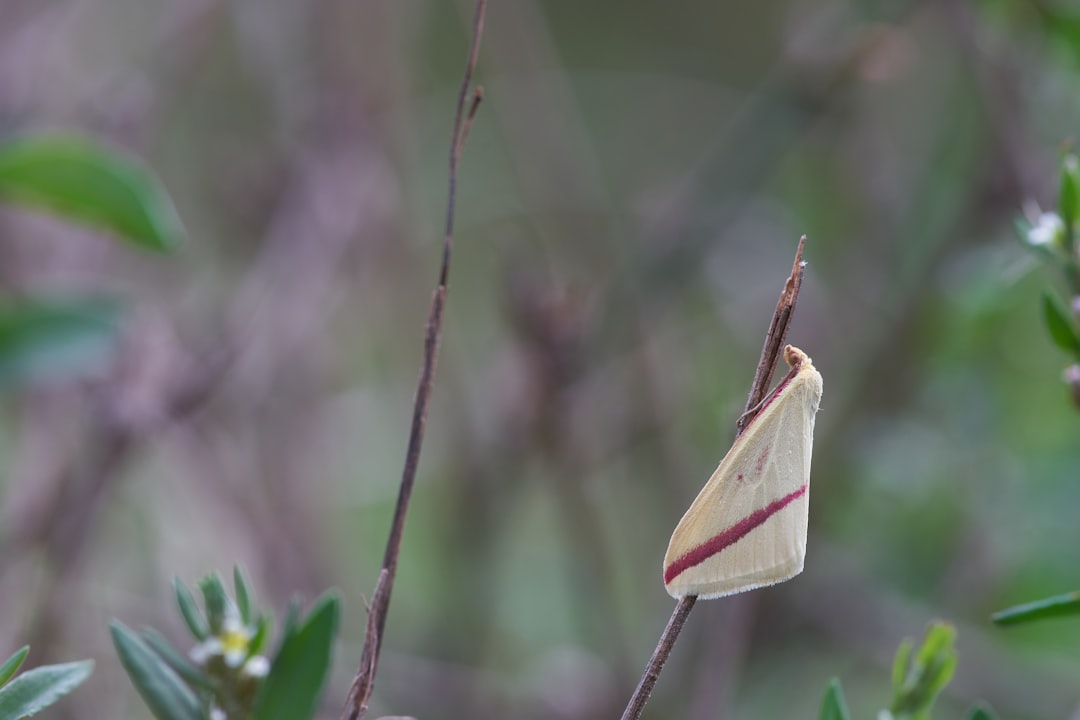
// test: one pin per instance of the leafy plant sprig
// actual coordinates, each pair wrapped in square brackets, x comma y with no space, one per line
[1054,236]
[918,677]
[225,675]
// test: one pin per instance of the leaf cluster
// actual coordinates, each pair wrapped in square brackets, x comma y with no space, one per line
[175,687]
[918,678]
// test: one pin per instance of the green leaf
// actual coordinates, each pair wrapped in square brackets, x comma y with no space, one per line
[292,619]
[900,664]
[1061,327]
[183,667]
[164,693]
[1069,193]
[938,643]
[91,184]
[39,688]
[51,339]
[833,706]
[191,612]
[297,674]
[216,601]
[981,712]
[13,663]
[1063,25]
[1057,606]
[929,673]
[262,633]
[243,595]
[938,675]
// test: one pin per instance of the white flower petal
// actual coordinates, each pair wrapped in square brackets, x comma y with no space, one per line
[257,666]
[205,650]
[1047,230]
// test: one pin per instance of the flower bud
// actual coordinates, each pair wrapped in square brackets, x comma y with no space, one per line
[1071,376]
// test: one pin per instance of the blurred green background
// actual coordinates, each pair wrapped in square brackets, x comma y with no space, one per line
[629,204]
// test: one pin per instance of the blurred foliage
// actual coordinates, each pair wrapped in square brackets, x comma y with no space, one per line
[85,182]
[46,340]
[629,202]
[833,706]
[1056,238]
[981,713]
[1057,606]
[227,675]
[36,689]
[916,680]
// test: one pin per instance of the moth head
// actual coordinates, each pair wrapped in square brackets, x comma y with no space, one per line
[794,356]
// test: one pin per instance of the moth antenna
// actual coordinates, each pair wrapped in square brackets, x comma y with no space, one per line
[752,411]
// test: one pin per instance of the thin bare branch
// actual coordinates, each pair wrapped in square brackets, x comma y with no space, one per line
[477,98]
[770,356]
[364,682]
[774,339]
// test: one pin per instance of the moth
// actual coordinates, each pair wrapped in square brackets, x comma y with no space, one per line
[747,527]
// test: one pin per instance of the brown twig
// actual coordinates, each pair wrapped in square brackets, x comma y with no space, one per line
[770,357]
[364,682]
[774,340]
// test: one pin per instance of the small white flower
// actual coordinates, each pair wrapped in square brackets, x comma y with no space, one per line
[217,713]
[205,650]
[233,643]
[235,640]
[1047,230]
[257,666]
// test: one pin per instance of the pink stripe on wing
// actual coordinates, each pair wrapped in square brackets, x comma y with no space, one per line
[728,537]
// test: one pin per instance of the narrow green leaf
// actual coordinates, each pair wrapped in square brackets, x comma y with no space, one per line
[938,675]
[216,600]
[1057,606]
[243,595]
[833,706]
[931,670]
[1069,193]
[39,688]
[1061,326]
[92,184]
[900,664]
[164,693]
[940,638]
[262,633]
[48,339]
[172,657]
[981,712]
[192,614]
[297,674]
[13,663]
[292,620]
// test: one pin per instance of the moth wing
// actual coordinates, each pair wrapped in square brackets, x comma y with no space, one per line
[747,526]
